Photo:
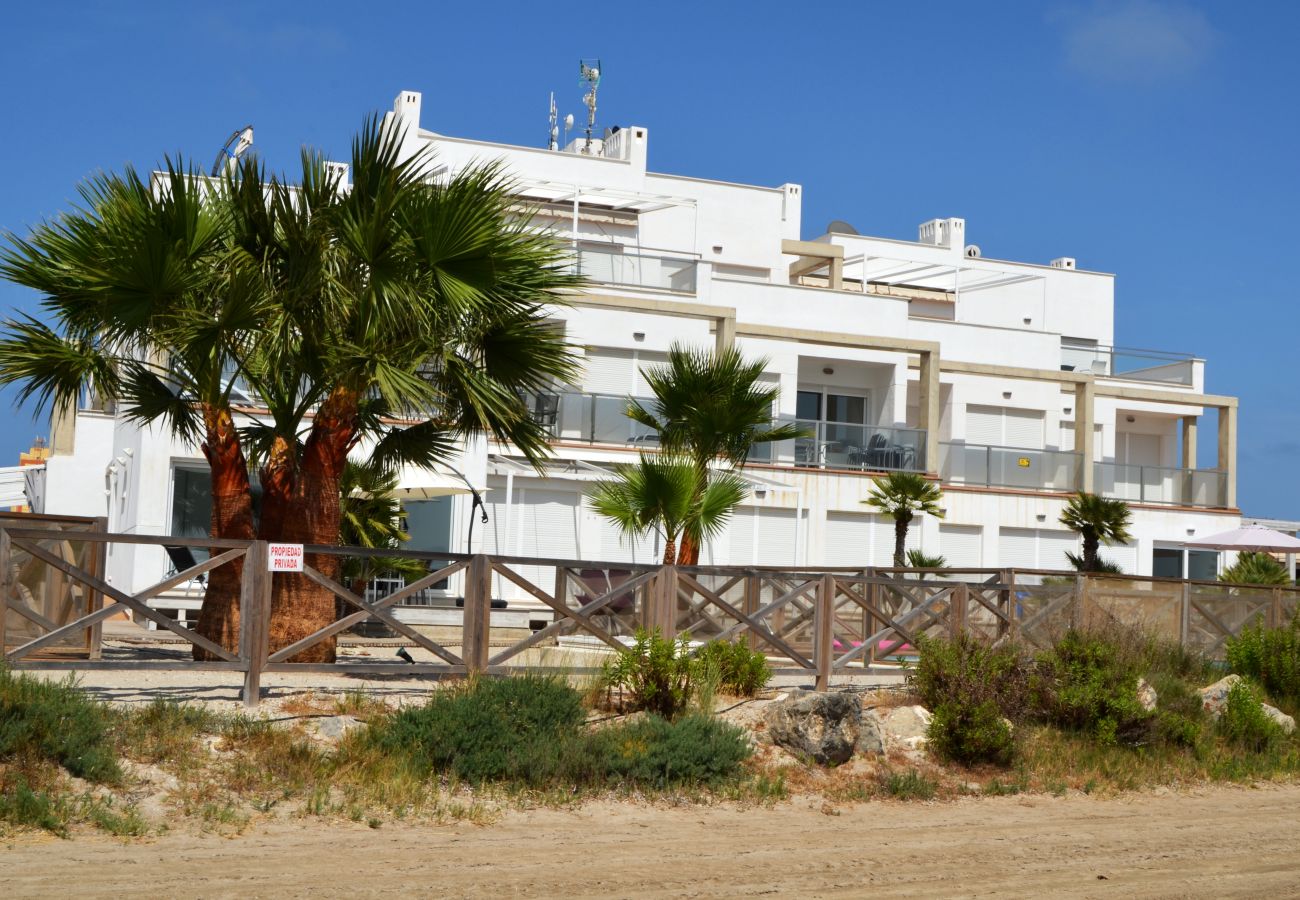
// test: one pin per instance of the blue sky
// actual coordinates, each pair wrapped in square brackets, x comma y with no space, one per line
[1157,140]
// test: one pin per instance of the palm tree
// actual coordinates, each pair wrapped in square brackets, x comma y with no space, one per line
[1255,568]
[901,495]
[659,494]
[1097,520]
[710,407]
[140,305]
[919,559]
[413,312]
[404,312]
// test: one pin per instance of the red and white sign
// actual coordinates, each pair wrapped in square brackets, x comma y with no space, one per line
[284,557]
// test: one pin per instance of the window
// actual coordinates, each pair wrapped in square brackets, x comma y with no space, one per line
[997,426]
[1179,562]
[191,502]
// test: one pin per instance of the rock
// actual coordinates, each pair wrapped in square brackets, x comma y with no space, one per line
[1285,722]
[1147,695]
[871,733]
[1214,696]
[905,727]
[820,725]
[335,728]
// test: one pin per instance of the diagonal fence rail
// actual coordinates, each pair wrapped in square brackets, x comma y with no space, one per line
[822,623]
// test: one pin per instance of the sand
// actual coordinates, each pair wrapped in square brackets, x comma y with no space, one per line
[1221,842]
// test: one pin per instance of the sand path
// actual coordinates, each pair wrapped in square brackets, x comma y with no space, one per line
[1222,842]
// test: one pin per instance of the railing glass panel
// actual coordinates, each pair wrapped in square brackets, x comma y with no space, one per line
[1161,484]
[1136,365]
[1014,467]
[623,266]
[835,445]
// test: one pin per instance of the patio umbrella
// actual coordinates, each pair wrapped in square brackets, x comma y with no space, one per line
[1249,538]
[1253,539]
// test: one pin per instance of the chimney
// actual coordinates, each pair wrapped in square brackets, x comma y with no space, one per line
[943,233]
[407,108]
[1063,262]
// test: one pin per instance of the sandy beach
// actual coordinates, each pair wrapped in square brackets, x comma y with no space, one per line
[1221,842]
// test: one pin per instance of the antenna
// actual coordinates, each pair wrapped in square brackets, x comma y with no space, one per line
[589,74]
[568,126]
[555,131]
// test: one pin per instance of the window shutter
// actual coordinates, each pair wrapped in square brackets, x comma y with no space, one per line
[847,540]
[1018,548]
[1024,428]
[609,371]
[984,425]
[961,545]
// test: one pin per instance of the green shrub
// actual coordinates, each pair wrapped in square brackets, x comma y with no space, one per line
[971,733]
[653,752]
[51,721]
[740,671]
[1180,715]
[513,729]
[1083,684]
[910,785]
[971,687]
[31,809]
[655,674]
[1244,722]
[1269,656]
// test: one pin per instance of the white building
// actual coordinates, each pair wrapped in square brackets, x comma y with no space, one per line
[999,378]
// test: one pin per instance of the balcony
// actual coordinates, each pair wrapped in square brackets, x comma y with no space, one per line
[1133,365]
[616,264]
[834,445]
[1010,467]
[1161,484]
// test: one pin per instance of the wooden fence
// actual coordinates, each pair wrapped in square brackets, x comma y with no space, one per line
[819,622]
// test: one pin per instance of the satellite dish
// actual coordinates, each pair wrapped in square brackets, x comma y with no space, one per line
[972,251]
[839,226]
[568,121]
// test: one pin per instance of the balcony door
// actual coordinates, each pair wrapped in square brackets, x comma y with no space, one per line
[838,418]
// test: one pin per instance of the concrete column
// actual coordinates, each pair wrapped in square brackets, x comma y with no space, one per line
[929,407]
[1189,442]
[725,334]
[837,274]
[63,428]
[1084,415]
[1228,452]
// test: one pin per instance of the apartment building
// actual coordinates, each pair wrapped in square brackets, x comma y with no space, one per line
[1000,379]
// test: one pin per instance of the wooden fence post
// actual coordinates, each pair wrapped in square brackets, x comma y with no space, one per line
[958,600]
[752,588]
[1080,595]
[873,601]
[5,555]
[824,631]
[476,622]
[1275,609]
[254,619]
[94,599]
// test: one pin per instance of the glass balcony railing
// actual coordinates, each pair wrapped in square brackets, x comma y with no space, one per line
[590,418]
[1162,484]
[1135,365]
[1012,467]
[619,265]
[835,445]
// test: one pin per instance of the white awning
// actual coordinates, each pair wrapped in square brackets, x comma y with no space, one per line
[417,483]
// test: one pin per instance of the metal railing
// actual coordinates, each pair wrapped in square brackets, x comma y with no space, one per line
[1136,365]
[1162,484]
[1013,467]
[625,265]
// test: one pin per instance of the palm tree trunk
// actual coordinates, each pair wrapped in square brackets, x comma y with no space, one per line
[1090,547]
[310,515]
[900,542]
[232,517]
[670,551]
